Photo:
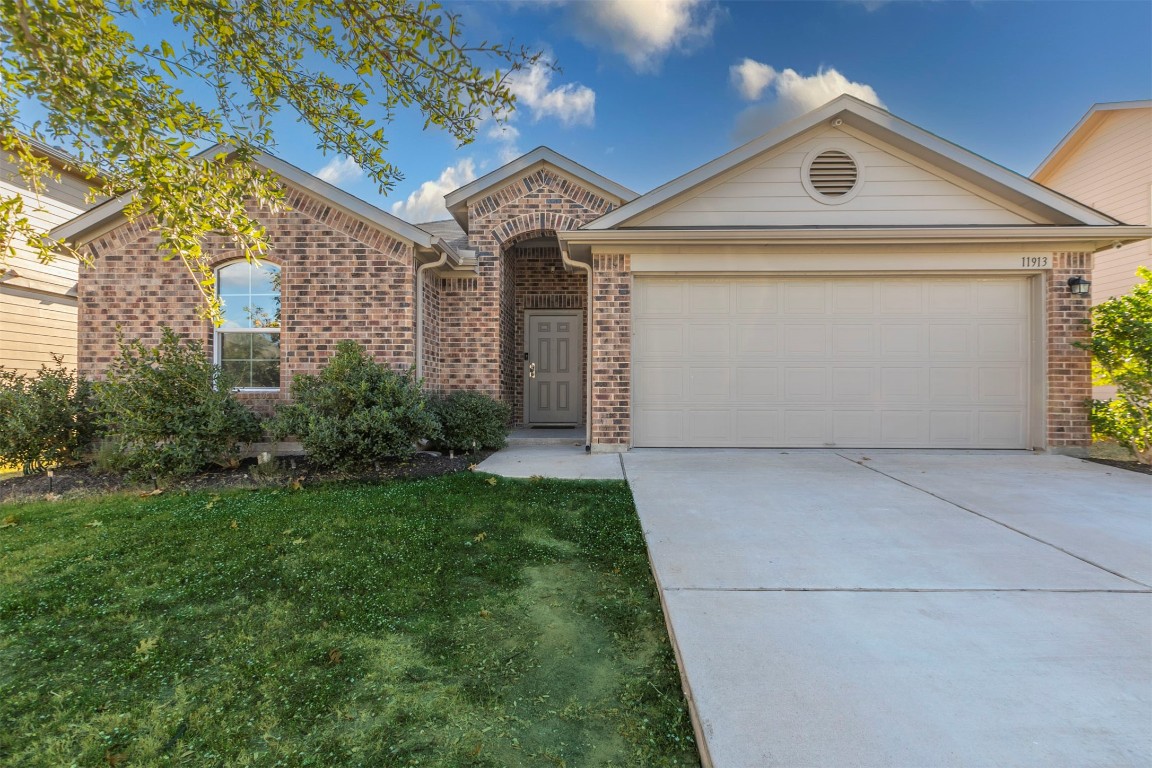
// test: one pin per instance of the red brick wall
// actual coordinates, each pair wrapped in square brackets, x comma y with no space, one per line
[1069,367]
[341,280]
[536,204]
[611,352]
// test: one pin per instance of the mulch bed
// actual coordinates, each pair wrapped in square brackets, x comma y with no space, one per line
[1131,466]
[86,479]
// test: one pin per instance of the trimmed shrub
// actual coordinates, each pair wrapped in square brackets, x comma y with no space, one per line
[1121,349]
[471,421]
[45,419]
[356,411]
[168,412]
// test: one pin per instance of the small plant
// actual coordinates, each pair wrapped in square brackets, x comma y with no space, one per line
[356,411]
[168,412]
[471,421]
[45,419]
[1121,349]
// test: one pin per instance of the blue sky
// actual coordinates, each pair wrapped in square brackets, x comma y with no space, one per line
[647,90]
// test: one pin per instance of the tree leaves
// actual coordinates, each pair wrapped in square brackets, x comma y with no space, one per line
[134,113]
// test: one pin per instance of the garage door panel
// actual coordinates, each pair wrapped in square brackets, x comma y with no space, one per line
[761,384]
[708,340]
[805,384]
[853,341]
[755,339]
[899,340]
[710,384]
[806,340]
[757,297]
[709,298]
[847,362]
[804,298]
[756,427]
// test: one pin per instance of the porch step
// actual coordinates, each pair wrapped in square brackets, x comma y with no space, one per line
[546,436]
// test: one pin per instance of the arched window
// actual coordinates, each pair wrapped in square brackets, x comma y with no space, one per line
[248,341]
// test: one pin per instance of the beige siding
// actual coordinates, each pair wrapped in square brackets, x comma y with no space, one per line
[33,327]
[37,304]
[1110,168]
[62,201]
[768,191]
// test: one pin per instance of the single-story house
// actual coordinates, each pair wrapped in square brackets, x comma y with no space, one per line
[1106,161]
[846,280]
[38,301]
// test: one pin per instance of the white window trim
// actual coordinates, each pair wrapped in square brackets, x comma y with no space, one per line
[218,347]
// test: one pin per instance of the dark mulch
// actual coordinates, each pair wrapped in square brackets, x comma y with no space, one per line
[85,479]
[1131,466]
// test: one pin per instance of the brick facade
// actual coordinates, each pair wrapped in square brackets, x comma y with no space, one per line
[341,279]
[534,205]
[345,279]
[1069,367]
[611,353]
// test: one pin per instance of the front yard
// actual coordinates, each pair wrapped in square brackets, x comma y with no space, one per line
[454,621]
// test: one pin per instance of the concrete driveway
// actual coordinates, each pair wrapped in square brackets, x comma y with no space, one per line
[906,609]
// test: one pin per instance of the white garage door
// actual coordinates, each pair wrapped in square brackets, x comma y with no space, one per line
[831,362]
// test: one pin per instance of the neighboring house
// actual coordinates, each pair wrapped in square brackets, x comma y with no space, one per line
[1106,161]
[845,280]
[38,301]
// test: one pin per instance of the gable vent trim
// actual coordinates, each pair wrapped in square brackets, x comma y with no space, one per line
[831,175]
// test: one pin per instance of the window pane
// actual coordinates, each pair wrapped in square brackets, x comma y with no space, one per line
[262,312]
[240,371]
[265,346]
[235,346]
[266,279]
[266,374]
[233,278]
[232,307]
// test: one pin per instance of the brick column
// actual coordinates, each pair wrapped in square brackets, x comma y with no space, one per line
[611,353]
[1069,367]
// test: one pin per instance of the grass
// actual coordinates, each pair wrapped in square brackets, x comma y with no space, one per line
[455,621]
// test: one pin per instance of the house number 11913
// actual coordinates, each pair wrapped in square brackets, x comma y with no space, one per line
[1033,261]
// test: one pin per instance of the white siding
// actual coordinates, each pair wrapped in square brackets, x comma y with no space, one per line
[768,191]
[37,317]
[1110,169]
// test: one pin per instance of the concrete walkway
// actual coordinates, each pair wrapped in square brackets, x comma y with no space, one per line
[566,462]
[905,608]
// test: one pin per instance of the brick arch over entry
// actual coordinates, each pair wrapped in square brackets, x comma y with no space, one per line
[531,225]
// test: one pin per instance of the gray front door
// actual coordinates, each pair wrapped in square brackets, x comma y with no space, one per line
[553,368]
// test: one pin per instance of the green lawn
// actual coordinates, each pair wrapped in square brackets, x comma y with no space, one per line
[455,621]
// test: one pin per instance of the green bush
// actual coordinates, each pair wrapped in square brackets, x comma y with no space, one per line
[168,412]
[356,411]
[45,419]
[471,421]
[1121,349]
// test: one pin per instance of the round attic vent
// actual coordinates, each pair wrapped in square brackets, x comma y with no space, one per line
[833,173]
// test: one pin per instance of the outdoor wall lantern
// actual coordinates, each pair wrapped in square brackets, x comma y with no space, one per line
[1078,286]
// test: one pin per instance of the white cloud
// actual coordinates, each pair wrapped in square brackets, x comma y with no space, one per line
[571,104]
[427,202]
[645,31]
[751,78]
[339,170]
[793,95]
[507,137]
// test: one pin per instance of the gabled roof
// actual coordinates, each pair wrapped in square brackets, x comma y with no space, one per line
[457,200]
[103,215]
[1072,140]
[890,129]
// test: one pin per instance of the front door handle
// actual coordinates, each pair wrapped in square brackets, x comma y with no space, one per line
[531,370]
